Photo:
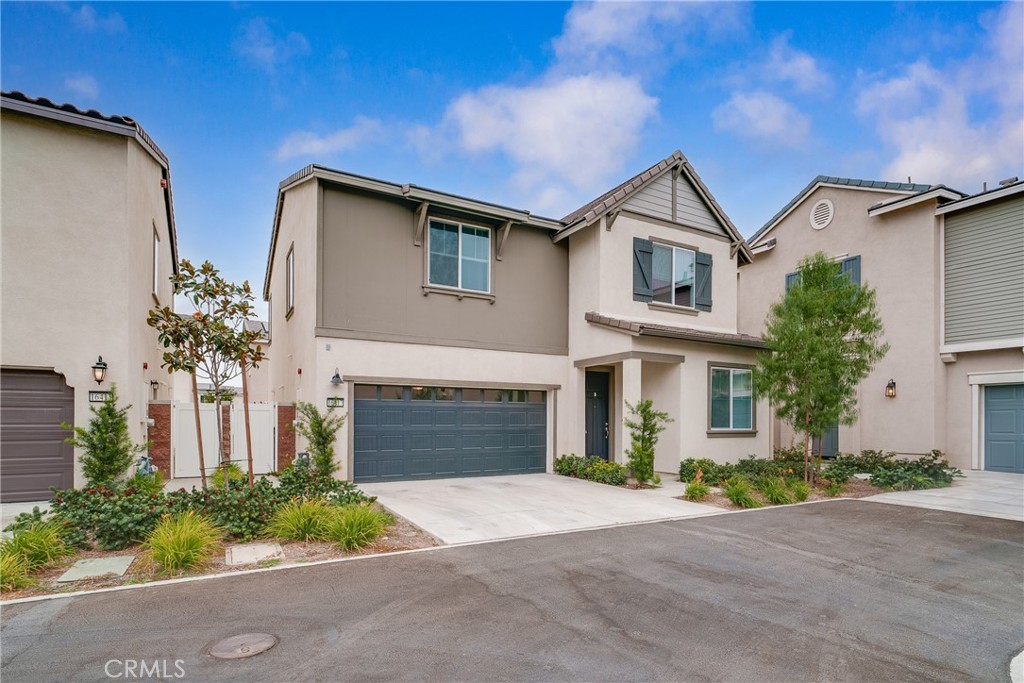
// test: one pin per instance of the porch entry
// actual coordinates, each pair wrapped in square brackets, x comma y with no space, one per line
[597,413]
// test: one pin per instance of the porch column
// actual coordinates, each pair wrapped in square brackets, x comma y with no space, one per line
[631,393]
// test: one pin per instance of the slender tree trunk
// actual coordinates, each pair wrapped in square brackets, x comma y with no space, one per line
[199,428]
[220,441]
[248,430]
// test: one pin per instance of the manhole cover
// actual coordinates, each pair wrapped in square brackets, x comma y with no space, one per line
[244,645]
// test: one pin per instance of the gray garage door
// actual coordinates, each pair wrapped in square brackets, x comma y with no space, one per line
[435,432]
[1004,427]
[33,455]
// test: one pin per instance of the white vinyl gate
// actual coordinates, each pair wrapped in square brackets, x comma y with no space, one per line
[185,451]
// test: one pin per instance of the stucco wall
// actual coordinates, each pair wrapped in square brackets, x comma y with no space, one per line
[78,207]
[900,259]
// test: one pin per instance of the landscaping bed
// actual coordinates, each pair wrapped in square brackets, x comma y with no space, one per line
[855,488]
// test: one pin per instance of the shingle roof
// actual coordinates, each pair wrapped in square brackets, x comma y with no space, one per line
[637,327]
[594,208]
[836,180]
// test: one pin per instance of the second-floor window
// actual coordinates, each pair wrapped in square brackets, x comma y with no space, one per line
[460,256]
[673,275]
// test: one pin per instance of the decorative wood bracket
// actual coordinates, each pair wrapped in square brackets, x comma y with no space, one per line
[502,237]
[609,219]
[421,221]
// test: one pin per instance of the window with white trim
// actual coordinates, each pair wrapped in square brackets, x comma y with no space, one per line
[672,273]
[289,295]
[731,407]
[459,256]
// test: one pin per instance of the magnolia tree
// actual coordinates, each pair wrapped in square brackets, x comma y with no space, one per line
[823,338]
[211,340]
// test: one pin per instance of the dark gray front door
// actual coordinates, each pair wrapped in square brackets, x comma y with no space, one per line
[1004,428]
[436,432]
[597,414]
[828,444]
[33,454]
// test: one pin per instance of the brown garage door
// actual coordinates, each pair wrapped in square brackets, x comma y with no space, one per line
[33,455]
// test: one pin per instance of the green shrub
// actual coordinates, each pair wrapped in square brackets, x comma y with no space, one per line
[833,489]
[26,519]
[147,483]
[697,490]
[927,472]
[775,490]
[302,480]
[107,443]
[712,473]
[354,526]
[183,541]
[570,465]
[302,520]
[644,426]
[801,490]
[738,491]
[235,475]
[112,517]
[14,572]
[319,430]
[242,511]
[755,468]
[40,544]
[592,468]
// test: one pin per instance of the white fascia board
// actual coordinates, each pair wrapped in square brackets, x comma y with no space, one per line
[981,198]
[907,202]
[998,377]
[993,345]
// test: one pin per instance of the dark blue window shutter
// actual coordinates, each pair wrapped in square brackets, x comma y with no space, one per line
[702,278]
[791,279]
[851,269]
[643,258]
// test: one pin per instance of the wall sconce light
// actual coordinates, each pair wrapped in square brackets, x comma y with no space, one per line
[890,389]
[336,380]
[99,371]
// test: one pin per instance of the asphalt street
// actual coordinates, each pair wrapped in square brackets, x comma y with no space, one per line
[842,590]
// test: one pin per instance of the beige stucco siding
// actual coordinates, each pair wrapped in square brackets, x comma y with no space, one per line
[77,253]
[373,276]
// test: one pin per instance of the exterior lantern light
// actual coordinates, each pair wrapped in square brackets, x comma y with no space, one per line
[336,380]
[890,389]
[99,371]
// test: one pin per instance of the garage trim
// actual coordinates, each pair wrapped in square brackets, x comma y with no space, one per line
[977,380]
[461,383]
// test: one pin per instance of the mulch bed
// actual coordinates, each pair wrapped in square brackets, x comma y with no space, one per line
[402,535]
[855,488]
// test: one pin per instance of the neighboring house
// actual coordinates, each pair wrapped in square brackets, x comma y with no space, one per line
[465,338]
[949,274]
[88,246]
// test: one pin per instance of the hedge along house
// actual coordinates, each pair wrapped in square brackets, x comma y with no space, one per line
[465,338]
[88,246]
[949,273]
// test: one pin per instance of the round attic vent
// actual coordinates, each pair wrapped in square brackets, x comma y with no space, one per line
[821,214]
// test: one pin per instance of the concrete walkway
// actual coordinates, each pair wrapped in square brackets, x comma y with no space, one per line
[490,508]
[989,494]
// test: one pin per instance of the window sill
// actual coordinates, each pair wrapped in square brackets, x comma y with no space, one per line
[460,293]
[731,433]
[658,306]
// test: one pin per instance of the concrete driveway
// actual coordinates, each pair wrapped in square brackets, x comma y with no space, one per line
[836,591]
[989,494]
[489,508]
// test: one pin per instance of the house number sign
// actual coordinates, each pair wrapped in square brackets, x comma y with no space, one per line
[335,402]
[98,396]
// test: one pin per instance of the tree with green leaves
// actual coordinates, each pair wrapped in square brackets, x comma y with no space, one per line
[107,445]
[319,430]
[823,338]
[645,425]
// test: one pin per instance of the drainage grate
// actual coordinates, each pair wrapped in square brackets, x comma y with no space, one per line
[243,645]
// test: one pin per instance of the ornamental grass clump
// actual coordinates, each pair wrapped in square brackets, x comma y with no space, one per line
[801,490]
[697,490]
[14,573]
[355,526]
[40,544]
[303,520]
[775,490]
[739,492]
[181,542]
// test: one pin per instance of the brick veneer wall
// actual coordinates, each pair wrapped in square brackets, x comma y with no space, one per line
[285,435]
[160,435]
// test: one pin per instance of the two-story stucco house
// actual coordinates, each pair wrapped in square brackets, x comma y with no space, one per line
[949,274]
[465,338]
[88,245]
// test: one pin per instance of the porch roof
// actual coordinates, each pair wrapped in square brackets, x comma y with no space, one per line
[641,328]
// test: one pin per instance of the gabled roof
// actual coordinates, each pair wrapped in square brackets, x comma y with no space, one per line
[609,201]
[1012,187]
[116,124]
[638,328]
[940,193]
[836,181]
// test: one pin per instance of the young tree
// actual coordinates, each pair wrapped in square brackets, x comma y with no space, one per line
[644,428]
[823,338]
[107,445]
[319,430]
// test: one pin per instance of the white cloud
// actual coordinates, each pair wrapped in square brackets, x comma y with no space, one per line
[88,19]
[84,86]
[787,64]
[924,114]
[304,143]
[258,43]
[763,117]
[564,133]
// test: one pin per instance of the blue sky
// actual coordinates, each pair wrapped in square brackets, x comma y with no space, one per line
[537,105]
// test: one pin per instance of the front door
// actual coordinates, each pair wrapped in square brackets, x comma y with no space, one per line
[1004,427]
[828,444]
[597,413]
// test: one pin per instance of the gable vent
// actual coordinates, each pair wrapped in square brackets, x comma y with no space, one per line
[821,214]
